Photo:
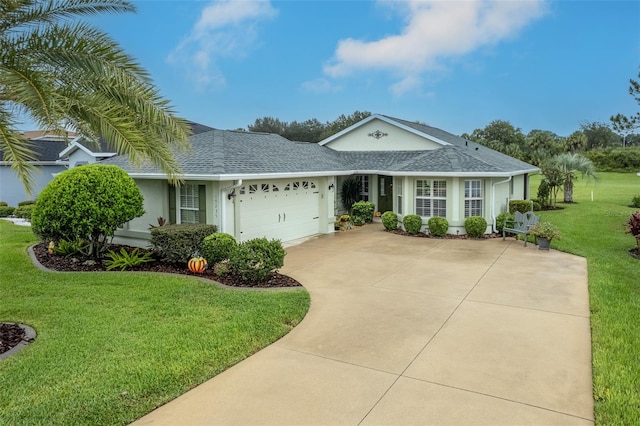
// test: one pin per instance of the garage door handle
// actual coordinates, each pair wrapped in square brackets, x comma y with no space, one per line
[284,217]
[278,217]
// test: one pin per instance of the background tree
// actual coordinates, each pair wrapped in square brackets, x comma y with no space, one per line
[64,73]
[542,144]
[599,135]
[626,125]
[575,142]
[569,165]
[502,136]
[342,122]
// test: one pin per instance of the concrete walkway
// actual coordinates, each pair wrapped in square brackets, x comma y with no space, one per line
[415,331]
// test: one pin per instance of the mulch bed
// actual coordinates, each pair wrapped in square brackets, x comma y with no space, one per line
[84,264]
[11,335]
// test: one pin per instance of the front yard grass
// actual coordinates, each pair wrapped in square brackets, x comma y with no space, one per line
[595,230]
[112,346]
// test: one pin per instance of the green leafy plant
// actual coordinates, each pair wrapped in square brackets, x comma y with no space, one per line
[222,268]
[635,201]
[179,243]
[357,220]
[633,228]
[69,248]
[217,247]
[438,226]
[87,202]
[521,206]
[24,211]
[6,211]
[475,226]
[257,259]
[501,219]
[363,209]
[350,192]
[412,223]
[545,230]
[123,260]
[389,221]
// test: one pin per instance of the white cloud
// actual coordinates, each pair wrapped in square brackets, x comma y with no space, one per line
[320,85]
[226,28]
[433,31]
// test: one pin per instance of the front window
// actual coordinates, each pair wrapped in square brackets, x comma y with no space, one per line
[399,192]
[472,198]
[189,204]
[431,198]
[363,183]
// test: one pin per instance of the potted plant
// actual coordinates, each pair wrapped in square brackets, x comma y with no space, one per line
[544,233]
[633,228]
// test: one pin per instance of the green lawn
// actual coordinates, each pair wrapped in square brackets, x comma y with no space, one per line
[595,230]
[113,346]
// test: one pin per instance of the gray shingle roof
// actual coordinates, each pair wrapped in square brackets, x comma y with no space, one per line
[45,149]
[217,153]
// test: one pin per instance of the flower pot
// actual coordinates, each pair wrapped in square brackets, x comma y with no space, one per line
[543,243]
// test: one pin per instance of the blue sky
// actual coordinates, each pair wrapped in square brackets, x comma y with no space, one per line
[456,65]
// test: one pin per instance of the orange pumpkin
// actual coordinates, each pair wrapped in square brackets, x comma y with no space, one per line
[197,264]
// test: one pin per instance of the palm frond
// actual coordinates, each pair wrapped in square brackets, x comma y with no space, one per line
[16,150]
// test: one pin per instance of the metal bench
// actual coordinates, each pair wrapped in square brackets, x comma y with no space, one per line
[521,224]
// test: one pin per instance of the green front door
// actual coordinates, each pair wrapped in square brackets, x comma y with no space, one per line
[385,193]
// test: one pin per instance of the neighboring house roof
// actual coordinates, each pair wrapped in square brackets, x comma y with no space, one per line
[45,150]
[228,154]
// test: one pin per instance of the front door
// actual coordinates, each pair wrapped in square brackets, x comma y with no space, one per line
[385,193]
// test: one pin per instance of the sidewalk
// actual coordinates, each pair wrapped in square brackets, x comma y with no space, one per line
[415,331]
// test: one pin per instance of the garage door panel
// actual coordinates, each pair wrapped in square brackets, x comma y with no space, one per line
[284,209]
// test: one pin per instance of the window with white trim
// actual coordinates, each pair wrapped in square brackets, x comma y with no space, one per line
[189,203]
[398,189]
[431,198]
[363,182]
[472,198]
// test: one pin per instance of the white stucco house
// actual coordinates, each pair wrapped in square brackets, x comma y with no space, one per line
[263,185]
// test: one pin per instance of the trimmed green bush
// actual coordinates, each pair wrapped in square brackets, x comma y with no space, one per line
[475,226]
[635,201]
[501,219]
[88,203]
[357,220]
[363,209]
[412,223]
[616,159]
[180,242]
[217,247]
[521,206]
[389,221]
[257,259]
[24,211]
[26,203]
[6,211]
[438,226]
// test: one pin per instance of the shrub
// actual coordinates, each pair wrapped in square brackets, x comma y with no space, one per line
[343,222]
[89,203]
[363,209]
[124,259]
[3,203]
[179,243]
[544,193]
[521,206]
[412,223]
[221,268]
[69,248]
[635,201]
[389,221]
[633,227]
[257,259]
[475,226]
[616,159]
[217,247]
[501,219]
[438,226]
[24,211]
[26,203]
[357,220]
[6,211]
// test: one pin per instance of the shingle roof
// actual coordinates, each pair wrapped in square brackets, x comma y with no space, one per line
[217,153]
[44,149]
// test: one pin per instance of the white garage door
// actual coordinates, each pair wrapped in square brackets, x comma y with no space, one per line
[279,209]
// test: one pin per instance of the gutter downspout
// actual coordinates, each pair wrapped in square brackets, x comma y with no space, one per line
[493,200]
[223,209]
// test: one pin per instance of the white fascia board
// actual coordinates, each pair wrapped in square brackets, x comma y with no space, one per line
[76,144]
[244,176]
[414,131]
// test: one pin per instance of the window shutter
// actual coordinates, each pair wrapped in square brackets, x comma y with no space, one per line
[202,199]
[172,204]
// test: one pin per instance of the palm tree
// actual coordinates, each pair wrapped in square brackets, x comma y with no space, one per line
[63,73]
[569,165]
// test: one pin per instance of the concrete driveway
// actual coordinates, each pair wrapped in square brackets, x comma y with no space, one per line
[415,331]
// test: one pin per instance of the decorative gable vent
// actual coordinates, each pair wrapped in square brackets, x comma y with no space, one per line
[378,134]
